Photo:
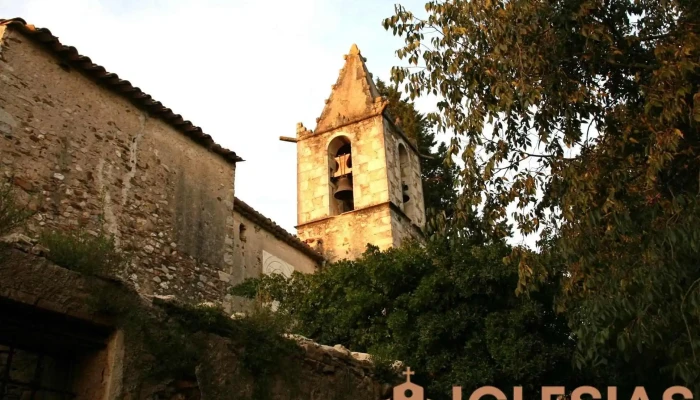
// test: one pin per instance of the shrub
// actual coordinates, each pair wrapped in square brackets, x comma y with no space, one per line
[83,252]
[12,213]
[447,309]
[261,333]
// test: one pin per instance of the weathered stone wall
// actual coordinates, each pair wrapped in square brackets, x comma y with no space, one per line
[376,185]
[414,208]
[402,228]
[58,300]
[347,235]
[89,158]
[114,371]
[369,172]
[321,373]
[255,244]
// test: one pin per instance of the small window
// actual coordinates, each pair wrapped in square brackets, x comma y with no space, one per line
[241,232]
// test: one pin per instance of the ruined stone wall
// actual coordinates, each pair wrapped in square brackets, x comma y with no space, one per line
[113,370]
[58,300]
[322,372]
[257,251]
[86,157]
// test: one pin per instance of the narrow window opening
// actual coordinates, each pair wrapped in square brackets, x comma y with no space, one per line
[404,171]
[241,232]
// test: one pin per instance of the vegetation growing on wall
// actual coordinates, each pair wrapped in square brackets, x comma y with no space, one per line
[83,252]
[12,212]
[175,335]
[169,340]
[448,311]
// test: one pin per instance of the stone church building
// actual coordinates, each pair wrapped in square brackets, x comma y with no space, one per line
[356,149]
[88,150]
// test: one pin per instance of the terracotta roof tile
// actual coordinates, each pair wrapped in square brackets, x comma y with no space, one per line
[120,86]
[276,230]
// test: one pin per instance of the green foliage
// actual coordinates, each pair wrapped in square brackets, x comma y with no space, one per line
[167,351]
[173,350]
[265,352]
[386,370]
[83,252]
[583,117]
[448,312]
[175,341]
[12,213]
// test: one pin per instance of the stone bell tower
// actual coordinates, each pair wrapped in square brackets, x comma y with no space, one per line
[358,175]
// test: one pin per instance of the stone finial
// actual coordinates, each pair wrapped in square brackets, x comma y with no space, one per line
[354,50]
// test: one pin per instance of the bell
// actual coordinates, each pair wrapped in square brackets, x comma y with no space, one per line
[405,193]
[344,189]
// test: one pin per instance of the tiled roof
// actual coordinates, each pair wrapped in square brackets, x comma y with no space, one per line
[119,86]
[276,230]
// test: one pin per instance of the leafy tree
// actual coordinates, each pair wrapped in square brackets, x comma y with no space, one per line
[583,116]
[449,313]
[438,173]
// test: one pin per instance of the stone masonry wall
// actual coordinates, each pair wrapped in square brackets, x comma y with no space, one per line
[414,208]
[250,248]
[347,235]
[403,229]
[376,183]
[369,172]
[86,157]
[114,372]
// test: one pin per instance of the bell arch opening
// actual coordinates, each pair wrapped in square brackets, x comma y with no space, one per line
[340,176]
[405,173]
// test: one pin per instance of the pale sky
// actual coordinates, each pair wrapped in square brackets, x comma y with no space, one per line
[246,71]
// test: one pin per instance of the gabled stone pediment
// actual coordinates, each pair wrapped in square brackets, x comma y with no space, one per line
[354,95]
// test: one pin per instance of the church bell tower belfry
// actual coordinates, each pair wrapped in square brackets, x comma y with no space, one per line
[358,175]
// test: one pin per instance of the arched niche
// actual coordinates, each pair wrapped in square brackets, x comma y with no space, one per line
[340,175]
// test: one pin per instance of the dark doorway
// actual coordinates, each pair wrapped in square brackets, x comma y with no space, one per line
[41,352]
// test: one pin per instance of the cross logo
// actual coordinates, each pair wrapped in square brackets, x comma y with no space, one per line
[408,390]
